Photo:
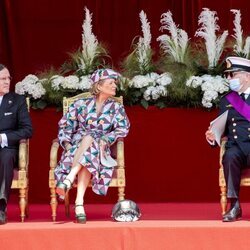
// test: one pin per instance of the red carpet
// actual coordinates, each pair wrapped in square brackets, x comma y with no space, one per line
[162,226]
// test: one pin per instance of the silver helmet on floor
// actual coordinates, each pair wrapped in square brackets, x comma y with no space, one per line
[126,210]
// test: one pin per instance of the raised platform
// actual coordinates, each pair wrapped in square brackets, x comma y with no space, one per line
[162,226]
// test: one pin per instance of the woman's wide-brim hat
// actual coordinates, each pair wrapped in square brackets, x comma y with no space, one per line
[102,74]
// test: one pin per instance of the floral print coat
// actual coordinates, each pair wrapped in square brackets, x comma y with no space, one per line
[81,120]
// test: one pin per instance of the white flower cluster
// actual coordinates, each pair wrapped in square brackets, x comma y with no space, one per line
[155,84]
[70,82]
[30,85]
[211,86]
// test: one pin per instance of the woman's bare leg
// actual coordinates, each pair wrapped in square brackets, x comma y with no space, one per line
[76,167]
[83,179]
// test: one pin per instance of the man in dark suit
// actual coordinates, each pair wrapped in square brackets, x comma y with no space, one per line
[15,124]
[237,131]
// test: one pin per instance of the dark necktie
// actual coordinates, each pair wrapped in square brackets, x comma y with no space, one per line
[242,95]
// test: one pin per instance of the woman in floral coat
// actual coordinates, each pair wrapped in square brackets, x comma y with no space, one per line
[86,132]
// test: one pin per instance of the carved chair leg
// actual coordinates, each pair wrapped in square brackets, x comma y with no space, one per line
[223,199]
[53,203]
[22,202]
[66,203]
[27,203]
[121,193]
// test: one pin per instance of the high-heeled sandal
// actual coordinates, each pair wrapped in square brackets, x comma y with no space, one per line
[62,189]
[80,218]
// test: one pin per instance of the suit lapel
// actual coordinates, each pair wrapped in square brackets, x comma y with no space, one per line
[6,103]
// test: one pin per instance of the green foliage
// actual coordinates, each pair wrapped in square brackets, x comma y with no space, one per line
[131,67]
[77,58]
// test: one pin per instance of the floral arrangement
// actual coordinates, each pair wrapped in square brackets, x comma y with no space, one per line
[240,48]
[144,85]
[72,78]
[185,73]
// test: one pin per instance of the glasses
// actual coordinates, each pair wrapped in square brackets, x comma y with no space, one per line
[6,78]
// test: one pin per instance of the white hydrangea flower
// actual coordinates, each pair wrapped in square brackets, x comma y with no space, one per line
[71,82]
[206,104]
[85,82]
[155,83]
[164,79]
[161,90]
[30,85]
[56,82]
[194,81]
[36,90]
[141,81]
[154,76]
[211,86]
[19,88]
[148,92]
[154,92]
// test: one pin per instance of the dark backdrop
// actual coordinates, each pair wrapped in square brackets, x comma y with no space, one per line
[37,34]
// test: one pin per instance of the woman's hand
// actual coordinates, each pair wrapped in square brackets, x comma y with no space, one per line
[67,147]
[103,145]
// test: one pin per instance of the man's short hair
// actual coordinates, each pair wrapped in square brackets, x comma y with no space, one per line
[2,67]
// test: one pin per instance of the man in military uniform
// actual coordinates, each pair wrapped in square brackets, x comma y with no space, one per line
[237,131]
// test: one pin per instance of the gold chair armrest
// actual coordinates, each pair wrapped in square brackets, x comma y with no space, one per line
[222,149]
[53,154]
[120,153]
[53,163]
[23,155]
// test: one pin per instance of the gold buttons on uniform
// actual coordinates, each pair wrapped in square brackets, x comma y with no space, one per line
[234,124]
[232,119]
[234,130]
[248,129]
[235,137]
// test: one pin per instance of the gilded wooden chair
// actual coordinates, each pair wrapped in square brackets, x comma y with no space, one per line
[117,151]
[245,179]
[20,180]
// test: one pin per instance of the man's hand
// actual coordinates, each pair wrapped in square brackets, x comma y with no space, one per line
[210,135]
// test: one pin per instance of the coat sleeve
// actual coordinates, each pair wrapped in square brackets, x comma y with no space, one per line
[68,125]
[121,126]
[24,127]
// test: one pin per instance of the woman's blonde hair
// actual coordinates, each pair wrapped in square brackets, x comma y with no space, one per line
[94,90]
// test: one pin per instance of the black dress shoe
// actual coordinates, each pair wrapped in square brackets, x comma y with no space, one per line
[232,214]
[3,219]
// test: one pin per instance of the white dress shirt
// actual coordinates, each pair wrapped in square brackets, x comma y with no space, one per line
[246,93]
[4,141]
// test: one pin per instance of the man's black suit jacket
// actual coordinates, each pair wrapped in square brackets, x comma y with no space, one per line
[14,119]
